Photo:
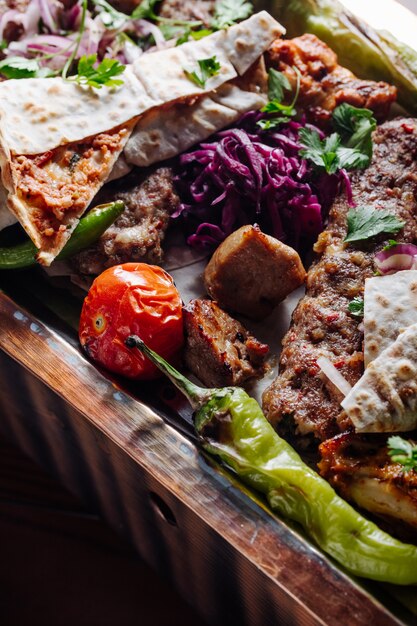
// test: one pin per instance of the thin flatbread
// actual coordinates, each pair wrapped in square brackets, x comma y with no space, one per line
[43,120]
[390,306]
[49,192]
[385,398]
[165,132]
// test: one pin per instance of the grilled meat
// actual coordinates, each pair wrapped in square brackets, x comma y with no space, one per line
[302,401]
[137,234]
[251,272]
[359,467]
[218,349]
[324,83]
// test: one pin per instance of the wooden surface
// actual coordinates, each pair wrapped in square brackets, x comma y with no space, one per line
[61,565]
[223,552]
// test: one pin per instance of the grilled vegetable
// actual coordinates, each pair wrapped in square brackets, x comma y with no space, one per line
[368,52]
[126,299]
[232,426]
[89,229]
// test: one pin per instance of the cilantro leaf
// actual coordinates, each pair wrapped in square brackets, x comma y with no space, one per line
[391,244]
[277,84]
[88,73]
[228,12]
[282,113]
[356,307]
[366,222]
[188,33]
[208,67]
[18,67]
[403,452]
[355,127]
[111,18]
[328,153]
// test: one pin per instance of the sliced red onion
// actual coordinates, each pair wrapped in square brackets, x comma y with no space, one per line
[49,14]
[334,375]
[402,256]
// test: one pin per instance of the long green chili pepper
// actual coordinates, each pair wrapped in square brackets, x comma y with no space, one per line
[232,426]
[89,229]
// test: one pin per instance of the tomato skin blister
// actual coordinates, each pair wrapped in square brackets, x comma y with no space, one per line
[133,298]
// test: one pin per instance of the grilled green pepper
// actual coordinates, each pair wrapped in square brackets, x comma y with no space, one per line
[231,425]
[88,230]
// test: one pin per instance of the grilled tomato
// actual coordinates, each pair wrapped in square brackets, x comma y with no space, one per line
[131,299]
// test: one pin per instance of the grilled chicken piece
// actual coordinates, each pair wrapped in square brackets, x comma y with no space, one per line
[137,234]
[301,400]
[250,273]
[359,467]
[324,83]
[218,349]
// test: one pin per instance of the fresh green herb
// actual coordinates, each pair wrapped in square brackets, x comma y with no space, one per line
[88,73]
[111,18]
[228,12]
[208,67]
[366,222]
[18,67]
[349,148]
[77,40]
[279,113]
[328,154]
[193,34]
[355,127]
[356,307]
[391,244]
[403,452]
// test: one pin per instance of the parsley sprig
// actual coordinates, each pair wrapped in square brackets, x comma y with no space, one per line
[88,73]
[208,67]
[350,147]
[366,222]
[19,67]
[279,113]
[403,452]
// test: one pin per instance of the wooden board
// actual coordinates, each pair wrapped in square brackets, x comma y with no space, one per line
[223,551]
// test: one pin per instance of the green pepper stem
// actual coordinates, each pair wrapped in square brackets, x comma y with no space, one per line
[197,396]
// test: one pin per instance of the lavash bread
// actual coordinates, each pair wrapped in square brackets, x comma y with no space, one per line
[163,133]
[385,398]
[39,115]
[390,306]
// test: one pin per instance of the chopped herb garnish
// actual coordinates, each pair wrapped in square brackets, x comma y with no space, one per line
[366,222]
[403,452]
[355,127]
[349,148]
[356,307]
[193,34]
[279,113]
[208,67]
[228,12]
[18,67]
[103,74]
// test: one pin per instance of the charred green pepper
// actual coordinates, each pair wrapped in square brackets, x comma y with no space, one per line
[231,425]
[89,229]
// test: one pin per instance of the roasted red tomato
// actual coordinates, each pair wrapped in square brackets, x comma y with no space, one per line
[131,299]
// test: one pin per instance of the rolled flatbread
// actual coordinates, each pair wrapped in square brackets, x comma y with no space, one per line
[385,398]
[390,306]
[59,141]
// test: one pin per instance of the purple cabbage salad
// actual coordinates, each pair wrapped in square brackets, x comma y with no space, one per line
[246,175]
